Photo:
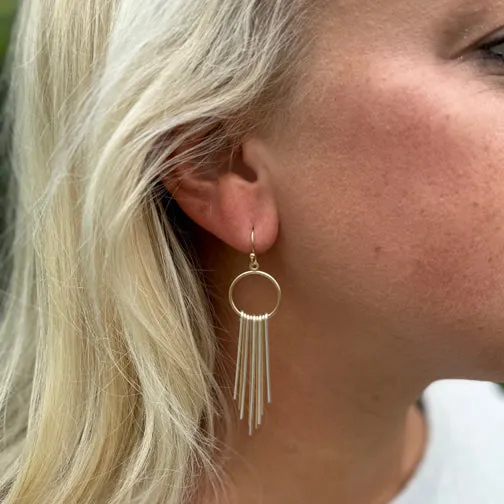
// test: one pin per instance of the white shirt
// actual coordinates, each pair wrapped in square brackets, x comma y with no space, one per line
[463,462]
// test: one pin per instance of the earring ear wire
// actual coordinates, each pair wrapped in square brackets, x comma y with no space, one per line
[252,362]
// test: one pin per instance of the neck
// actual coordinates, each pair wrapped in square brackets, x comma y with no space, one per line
[341,426]
[329,435]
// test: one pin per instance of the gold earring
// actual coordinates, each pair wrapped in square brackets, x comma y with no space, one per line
[253,350]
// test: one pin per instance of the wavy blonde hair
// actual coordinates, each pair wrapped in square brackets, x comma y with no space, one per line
[107,345]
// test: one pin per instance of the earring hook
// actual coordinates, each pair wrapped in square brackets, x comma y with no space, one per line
[254,265]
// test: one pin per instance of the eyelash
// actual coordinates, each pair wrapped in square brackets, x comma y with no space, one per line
[490,57]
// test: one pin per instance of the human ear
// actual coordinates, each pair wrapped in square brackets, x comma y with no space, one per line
[229,193]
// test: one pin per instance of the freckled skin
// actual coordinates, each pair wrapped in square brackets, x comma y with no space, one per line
[391,192]
[381,197]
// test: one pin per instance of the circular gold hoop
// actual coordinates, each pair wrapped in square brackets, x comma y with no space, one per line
[261,273]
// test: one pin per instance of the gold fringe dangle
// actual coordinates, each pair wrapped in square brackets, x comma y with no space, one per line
[252,362]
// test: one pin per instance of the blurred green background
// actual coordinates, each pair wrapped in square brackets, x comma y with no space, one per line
[7,8]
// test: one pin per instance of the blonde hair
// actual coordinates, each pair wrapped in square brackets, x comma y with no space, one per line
[108,352]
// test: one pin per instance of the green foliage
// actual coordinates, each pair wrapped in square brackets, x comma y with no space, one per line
[7,6]
[7,9]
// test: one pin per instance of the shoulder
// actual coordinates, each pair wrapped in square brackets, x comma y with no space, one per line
[465,446]
[467,422]
[472,400]
[467,415]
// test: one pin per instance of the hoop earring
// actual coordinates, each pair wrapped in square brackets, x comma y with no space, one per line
[253,350]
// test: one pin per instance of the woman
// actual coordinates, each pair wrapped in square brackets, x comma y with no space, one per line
[346,156]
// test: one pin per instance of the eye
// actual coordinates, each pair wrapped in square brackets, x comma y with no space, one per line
[492,52]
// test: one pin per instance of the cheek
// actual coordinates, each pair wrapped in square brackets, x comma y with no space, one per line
[399,196]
